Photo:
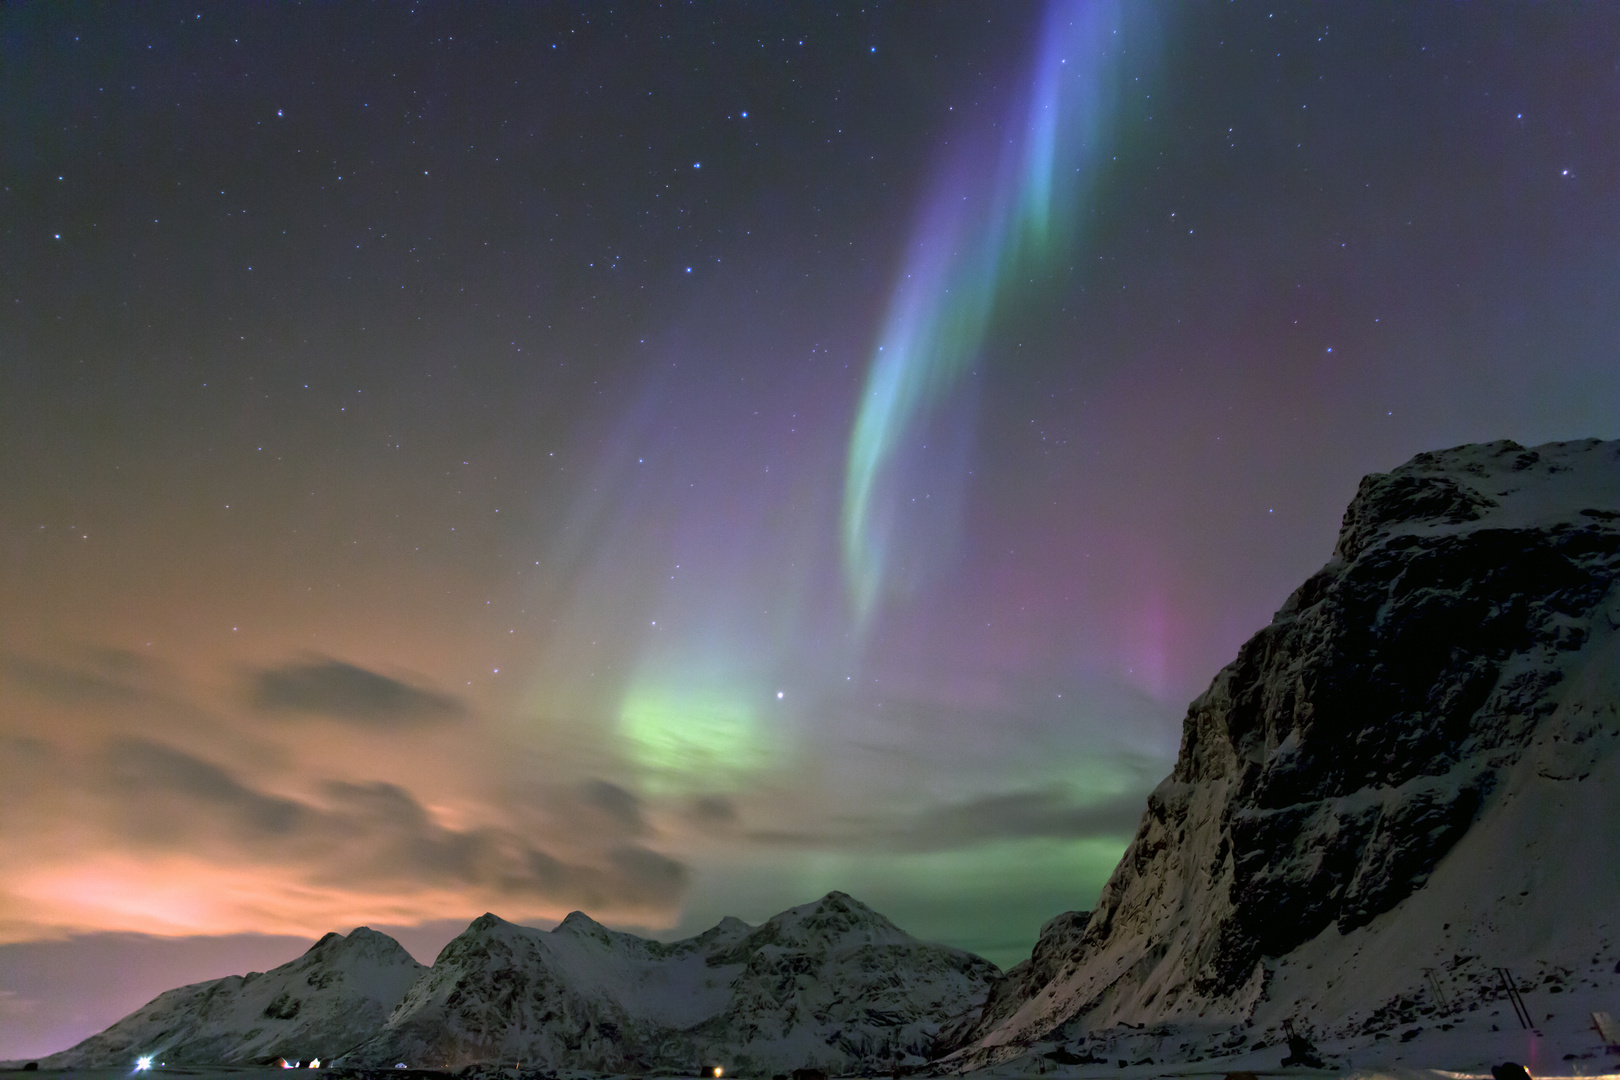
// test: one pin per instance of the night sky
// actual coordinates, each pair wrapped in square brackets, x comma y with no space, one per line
[673,461]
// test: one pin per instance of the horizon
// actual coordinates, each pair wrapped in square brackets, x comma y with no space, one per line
[667,464]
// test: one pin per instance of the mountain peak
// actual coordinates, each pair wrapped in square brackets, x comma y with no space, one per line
[834,917]
[484,923]
[577,922]
[838,903]
[1479,485]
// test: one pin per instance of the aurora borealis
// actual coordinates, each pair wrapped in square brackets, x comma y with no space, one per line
[676,461]
[1003,206]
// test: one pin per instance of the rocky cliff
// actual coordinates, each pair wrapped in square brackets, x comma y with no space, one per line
[1443,688]
[324,1002]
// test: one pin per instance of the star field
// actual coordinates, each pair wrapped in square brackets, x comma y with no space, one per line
[673,461]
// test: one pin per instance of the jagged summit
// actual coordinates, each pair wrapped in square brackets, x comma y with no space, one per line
[729,924]
[835,915]
[578,920]
[1352,791]
[361,941]
[580,924]
[1481,486]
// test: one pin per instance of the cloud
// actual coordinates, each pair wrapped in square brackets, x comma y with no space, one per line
[73,685]
[164,788]
[1049,813]
[714,811]
[377,837]
[341,691]
[620,807]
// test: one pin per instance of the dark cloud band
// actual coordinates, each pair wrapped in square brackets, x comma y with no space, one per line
[369,836]
[342,691]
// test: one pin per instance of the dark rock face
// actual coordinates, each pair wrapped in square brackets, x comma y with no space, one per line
[1059,938]
[1334,763]
[1400,671]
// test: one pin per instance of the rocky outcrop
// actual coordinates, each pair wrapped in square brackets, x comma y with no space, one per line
[831,984]
[321,1004]
[1332,766]
[1059,938]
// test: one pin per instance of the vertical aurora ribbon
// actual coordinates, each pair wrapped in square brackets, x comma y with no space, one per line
[990,222]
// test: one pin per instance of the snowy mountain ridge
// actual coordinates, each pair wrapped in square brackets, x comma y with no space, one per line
[830,984]
[1359,827]
[337,993]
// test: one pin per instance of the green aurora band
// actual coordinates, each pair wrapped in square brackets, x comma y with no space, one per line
[982,230]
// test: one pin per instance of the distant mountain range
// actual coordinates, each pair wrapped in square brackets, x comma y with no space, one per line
[830,985]
[1392,835]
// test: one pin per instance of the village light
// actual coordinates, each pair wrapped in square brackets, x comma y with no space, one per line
[142,1064]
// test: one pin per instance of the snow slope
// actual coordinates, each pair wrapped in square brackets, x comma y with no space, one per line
[324,1002]
[1409,779]
[832,984]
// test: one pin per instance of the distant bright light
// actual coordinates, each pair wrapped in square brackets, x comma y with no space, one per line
[779,695]
[314,1063]
[142,1064]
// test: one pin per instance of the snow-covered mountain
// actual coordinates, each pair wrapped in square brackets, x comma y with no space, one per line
[831,984]
[326,1001]
[1409,779]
